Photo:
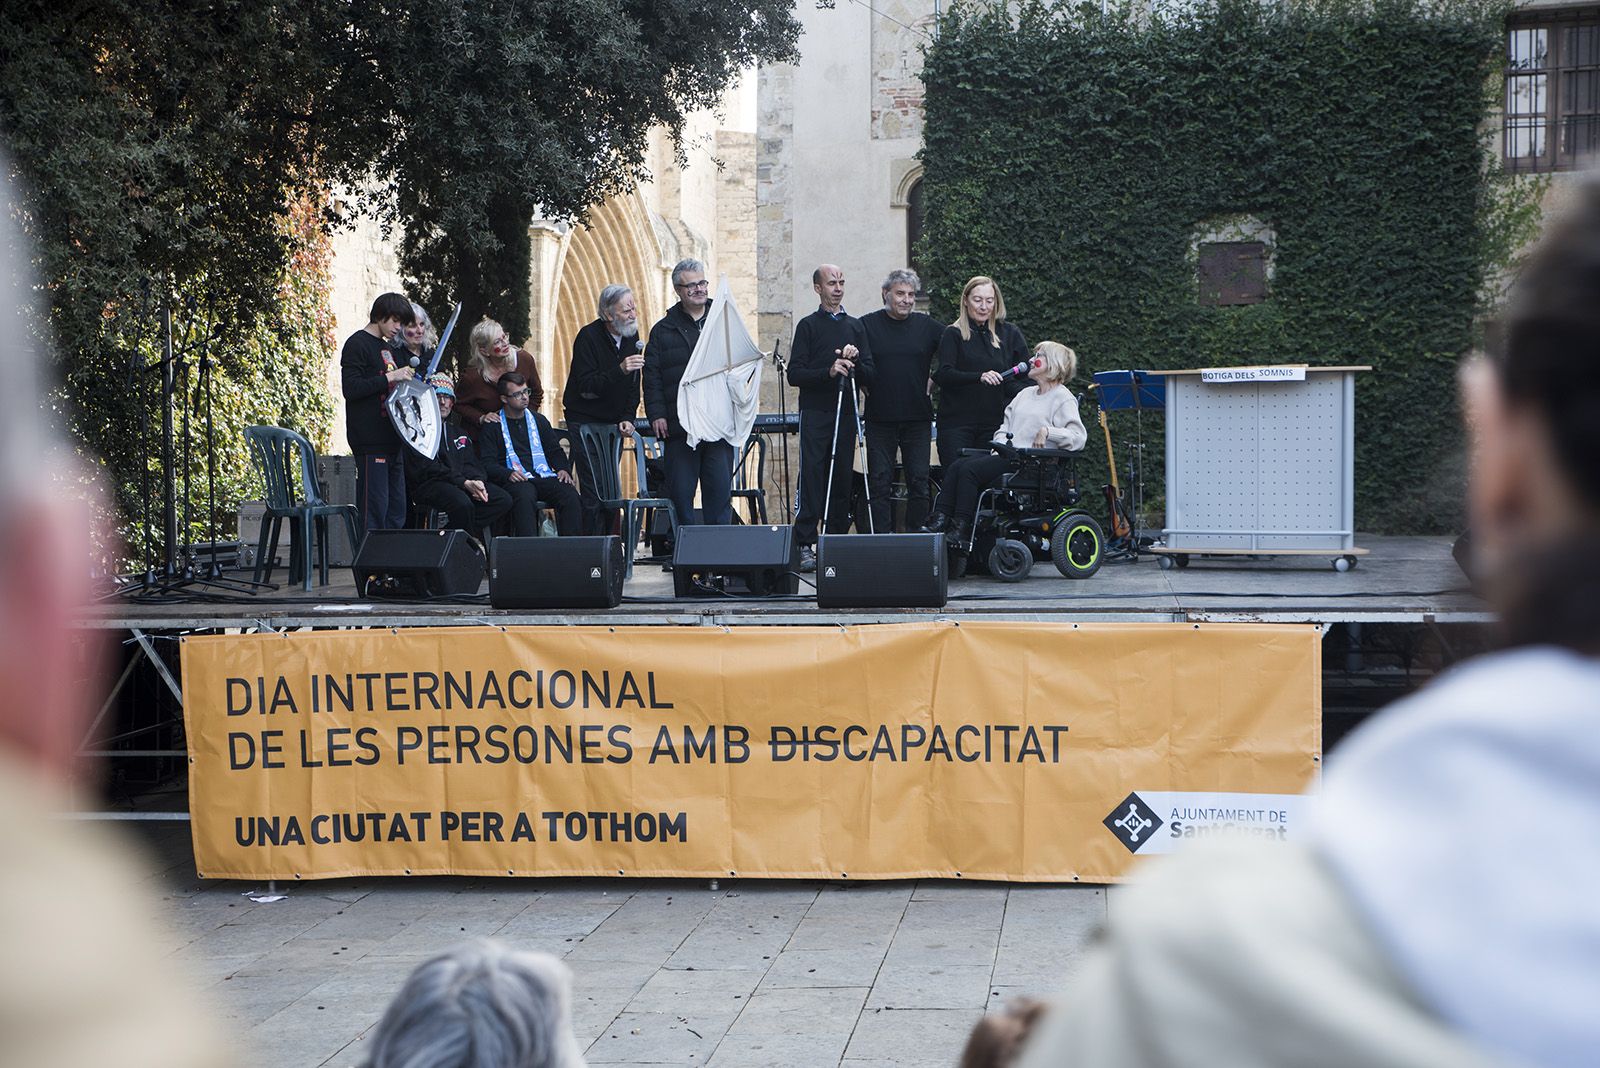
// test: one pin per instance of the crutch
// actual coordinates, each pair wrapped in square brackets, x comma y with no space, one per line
[833,452]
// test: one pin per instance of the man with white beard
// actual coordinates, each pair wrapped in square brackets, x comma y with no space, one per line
[603,385]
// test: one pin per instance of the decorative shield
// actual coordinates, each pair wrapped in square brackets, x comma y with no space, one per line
[413,408]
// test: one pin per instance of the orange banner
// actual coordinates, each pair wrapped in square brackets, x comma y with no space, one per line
[1018,751]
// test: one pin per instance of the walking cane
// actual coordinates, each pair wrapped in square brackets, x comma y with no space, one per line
[833,451]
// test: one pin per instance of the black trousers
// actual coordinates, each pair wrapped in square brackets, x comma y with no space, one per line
[911,440]
[461,511]
[709,466]
[817,446]
[381,489]
[525,500]
[952,439]
[593,521]
[964,480]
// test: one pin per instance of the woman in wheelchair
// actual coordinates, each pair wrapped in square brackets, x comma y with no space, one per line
[1043,417]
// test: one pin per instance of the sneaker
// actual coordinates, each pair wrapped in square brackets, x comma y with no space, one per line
[808,559]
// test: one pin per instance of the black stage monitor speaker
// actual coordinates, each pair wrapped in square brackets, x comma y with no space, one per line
[413,564]
[757,560]
[881,571]
[556,572]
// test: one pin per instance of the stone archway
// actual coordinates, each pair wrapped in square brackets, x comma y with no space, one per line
[618,244]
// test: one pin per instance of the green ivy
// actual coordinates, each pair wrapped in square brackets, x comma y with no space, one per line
[271,370]
[1073,155]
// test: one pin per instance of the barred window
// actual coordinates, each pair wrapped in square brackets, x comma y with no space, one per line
[1552,106]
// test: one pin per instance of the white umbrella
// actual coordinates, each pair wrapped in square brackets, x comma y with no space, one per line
[721,386]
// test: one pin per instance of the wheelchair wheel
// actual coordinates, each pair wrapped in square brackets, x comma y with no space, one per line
[1010,561]
[1076,545]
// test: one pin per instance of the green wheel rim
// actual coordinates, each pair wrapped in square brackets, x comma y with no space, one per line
[1076,558]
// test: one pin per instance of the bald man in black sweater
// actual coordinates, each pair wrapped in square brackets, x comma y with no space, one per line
[830,354]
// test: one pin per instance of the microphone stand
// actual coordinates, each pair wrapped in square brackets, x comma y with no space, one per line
[783,429]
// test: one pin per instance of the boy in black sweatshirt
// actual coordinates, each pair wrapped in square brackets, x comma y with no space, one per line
[830,354]
[370,361]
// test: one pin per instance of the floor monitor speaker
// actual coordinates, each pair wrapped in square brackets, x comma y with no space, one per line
[418,564]
[881,571]
[718,560]
[556,572]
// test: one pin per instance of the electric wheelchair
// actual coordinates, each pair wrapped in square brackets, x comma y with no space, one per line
[1032,514]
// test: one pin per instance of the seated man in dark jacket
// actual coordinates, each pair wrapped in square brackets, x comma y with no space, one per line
[453,481]
[522,455]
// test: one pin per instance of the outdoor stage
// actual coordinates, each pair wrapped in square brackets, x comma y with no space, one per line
[1402,580]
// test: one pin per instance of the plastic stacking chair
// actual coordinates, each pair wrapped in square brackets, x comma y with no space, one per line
[273,449]
[602,445]
[752,467]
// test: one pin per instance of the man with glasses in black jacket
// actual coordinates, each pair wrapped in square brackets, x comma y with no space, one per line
[709,465]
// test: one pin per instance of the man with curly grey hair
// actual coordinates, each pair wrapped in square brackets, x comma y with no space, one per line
[899,412]
[481,1005]
[603,387]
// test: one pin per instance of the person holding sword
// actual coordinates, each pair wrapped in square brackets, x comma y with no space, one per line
[830,354]
[369,363]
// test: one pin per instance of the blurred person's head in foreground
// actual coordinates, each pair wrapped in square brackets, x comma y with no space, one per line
[47,681]
[1438,907]
[481,1005]
[1533,409]
[996,1040]
[85,976]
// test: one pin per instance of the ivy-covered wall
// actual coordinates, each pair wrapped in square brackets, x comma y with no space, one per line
[1075,156]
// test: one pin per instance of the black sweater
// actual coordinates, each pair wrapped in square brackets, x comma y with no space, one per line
[598,389]
[363,378]
[492,447]
[818,338]
[672,342]
[963,399]
[902,360]
[456,464]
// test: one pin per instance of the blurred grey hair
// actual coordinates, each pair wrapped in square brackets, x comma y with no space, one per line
[25,436]
[684,267]
[903,276]
[430,336]
[481,1005]
[610,297]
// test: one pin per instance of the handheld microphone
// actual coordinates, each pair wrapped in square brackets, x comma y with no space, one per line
[416,361]
[1021,368]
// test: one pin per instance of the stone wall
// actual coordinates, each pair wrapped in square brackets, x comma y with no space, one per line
[364,264]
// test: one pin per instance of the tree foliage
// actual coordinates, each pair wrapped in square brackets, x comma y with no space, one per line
[181,151]
[1074,155]
[508,108]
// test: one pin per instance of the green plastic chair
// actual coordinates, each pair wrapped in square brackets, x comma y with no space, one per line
[273,449]
[602,444]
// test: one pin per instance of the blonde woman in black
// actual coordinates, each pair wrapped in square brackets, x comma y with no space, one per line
[973,353]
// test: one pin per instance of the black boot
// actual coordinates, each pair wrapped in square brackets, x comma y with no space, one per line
[959,534]
[937,523]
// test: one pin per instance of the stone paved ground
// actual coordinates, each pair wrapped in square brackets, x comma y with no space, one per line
[755,974]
